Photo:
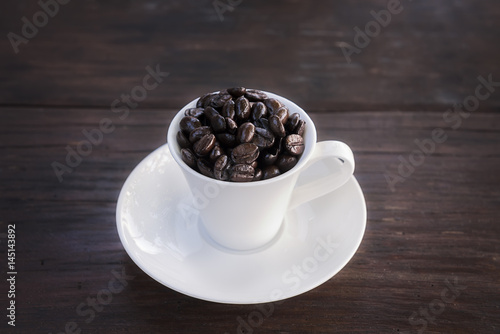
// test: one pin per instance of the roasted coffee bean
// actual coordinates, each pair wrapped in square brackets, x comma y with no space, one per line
[240,135]
[188,124]
[205,168]
[182,140]
[188,157]
[272,105]
[216,152]
[258,174]
[293,121]
[220,99]
[300,128]
[231,125]
[263,123]
[254,95]
[294,144]
[269,158]
[282,113]
[242,173]
[245,153]
[276,126]
[263,138]
[259,110]
[242,108]
[210,112]
[204,100]
[203,146]
[237,91]
[279,146]
[197,133]
[195,112]
[228,109]
[286,162]
[269,172]
[226,173]
[246,132]
[221,168]
[227,139]
[218,123]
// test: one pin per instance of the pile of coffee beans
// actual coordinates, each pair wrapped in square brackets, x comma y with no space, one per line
[240,135]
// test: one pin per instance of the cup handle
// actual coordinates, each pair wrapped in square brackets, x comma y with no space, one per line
[337,159]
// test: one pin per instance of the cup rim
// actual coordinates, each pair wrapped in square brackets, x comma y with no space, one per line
[310,139]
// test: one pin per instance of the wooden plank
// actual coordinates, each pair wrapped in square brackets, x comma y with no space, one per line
[439,225]
[90,53]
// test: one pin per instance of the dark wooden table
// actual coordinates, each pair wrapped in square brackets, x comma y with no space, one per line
[429,166]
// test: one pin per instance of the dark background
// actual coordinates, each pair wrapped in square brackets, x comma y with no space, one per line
[427,58]
[441,223]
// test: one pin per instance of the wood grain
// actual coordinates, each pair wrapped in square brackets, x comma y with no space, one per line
[438,226]
[434,229]
[428,57]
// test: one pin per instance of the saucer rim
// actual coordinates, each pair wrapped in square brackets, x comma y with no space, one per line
[355,244]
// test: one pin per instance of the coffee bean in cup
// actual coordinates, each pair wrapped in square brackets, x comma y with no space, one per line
[240,135]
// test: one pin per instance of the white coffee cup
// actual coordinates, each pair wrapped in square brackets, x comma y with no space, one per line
[243,216]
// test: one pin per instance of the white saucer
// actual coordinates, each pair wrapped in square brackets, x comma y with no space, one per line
[164,238]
